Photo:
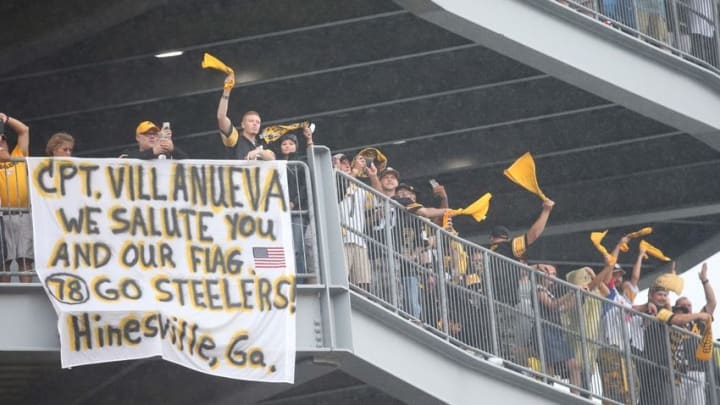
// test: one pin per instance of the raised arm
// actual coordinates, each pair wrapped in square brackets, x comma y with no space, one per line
[635,276]
[439,191]
[539,226]
[710,302]
[599,281]
[372,173]
[224,123]
[22,131]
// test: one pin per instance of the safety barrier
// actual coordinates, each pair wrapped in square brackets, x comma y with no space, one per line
[15,220]
[687,28]
[499,308]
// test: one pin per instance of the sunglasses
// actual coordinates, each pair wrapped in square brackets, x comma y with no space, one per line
[682,309]
[3,137]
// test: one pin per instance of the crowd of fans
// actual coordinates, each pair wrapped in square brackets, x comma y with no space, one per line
[389,255]
[687,25]
[395,258]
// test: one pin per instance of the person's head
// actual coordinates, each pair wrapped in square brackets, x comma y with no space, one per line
[288,144]
[617,275]
[250,123]
[389,179]
[581,277]
[499,233]
[341,162]
[549,270]
[404,190]
[60,144]
[658,295]
[683,306]
[146,135]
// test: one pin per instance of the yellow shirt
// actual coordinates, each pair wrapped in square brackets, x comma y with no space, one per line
[14,182]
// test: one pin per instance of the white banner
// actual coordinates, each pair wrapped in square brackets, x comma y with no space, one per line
[189,260]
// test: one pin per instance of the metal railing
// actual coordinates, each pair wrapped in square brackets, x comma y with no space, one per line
[496,307]
[688,28]
[15,223]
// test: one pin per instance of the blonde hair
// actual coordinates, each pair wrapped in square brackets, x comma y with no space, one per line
[57,140]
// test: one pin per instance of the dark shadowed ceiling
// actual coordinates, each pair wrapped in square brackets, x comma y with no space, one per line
[368,73]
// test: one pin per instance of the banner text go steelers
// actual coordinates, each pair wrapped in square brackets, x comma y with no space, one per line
[189,260]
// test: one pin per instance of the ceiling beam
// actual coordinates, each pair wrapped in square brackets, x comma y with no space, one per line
[687,260]
[21,54]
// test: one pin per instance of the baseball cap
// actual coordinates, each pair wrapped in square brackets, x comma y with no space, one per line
[145,127]
[405,186]
[618,268]
[340,157]
[500,231]
[392,171]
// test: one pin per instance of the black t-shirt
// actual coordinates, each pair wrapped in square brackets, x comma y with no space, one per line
[506,277]
[242,146]
[148,154]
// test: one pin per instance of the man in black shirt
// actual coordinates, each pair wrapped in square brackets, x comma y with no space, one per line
[242,144]
[505,279]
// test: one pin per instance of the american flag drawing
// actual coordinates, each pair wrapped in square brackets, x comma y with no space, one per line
[269,257]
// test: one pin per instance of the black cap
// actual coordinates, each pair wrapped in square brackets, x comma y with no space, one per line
[407,187]
[291,137]
[500,232]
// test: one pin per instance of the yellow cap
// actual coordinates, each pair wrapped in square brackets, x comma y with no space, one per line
[145,127]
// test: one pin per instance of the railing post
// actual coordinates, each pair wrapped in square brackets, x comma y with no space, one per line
[587,371]
[710,378]
[668,344]
[390,257]
[675,24]
[441,283]
[538,322]
[487,279]
[716,61]
[628,355]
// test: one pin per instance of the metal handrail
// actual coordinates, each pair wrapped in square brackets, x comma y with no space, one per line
[666,24]
[481,319]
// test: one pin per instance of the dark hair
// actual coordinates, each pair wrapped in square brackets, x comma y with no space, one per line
[500,232]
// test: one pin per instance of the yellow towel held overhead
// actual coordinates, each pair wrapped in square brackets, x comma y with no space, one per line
[274,132]
[596,238]
[633,235]
[522,173]
[653,251]
[211,62]
[478,210]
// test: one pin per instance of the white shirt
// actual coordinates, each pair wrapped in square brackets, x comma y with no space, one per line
[352,214]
